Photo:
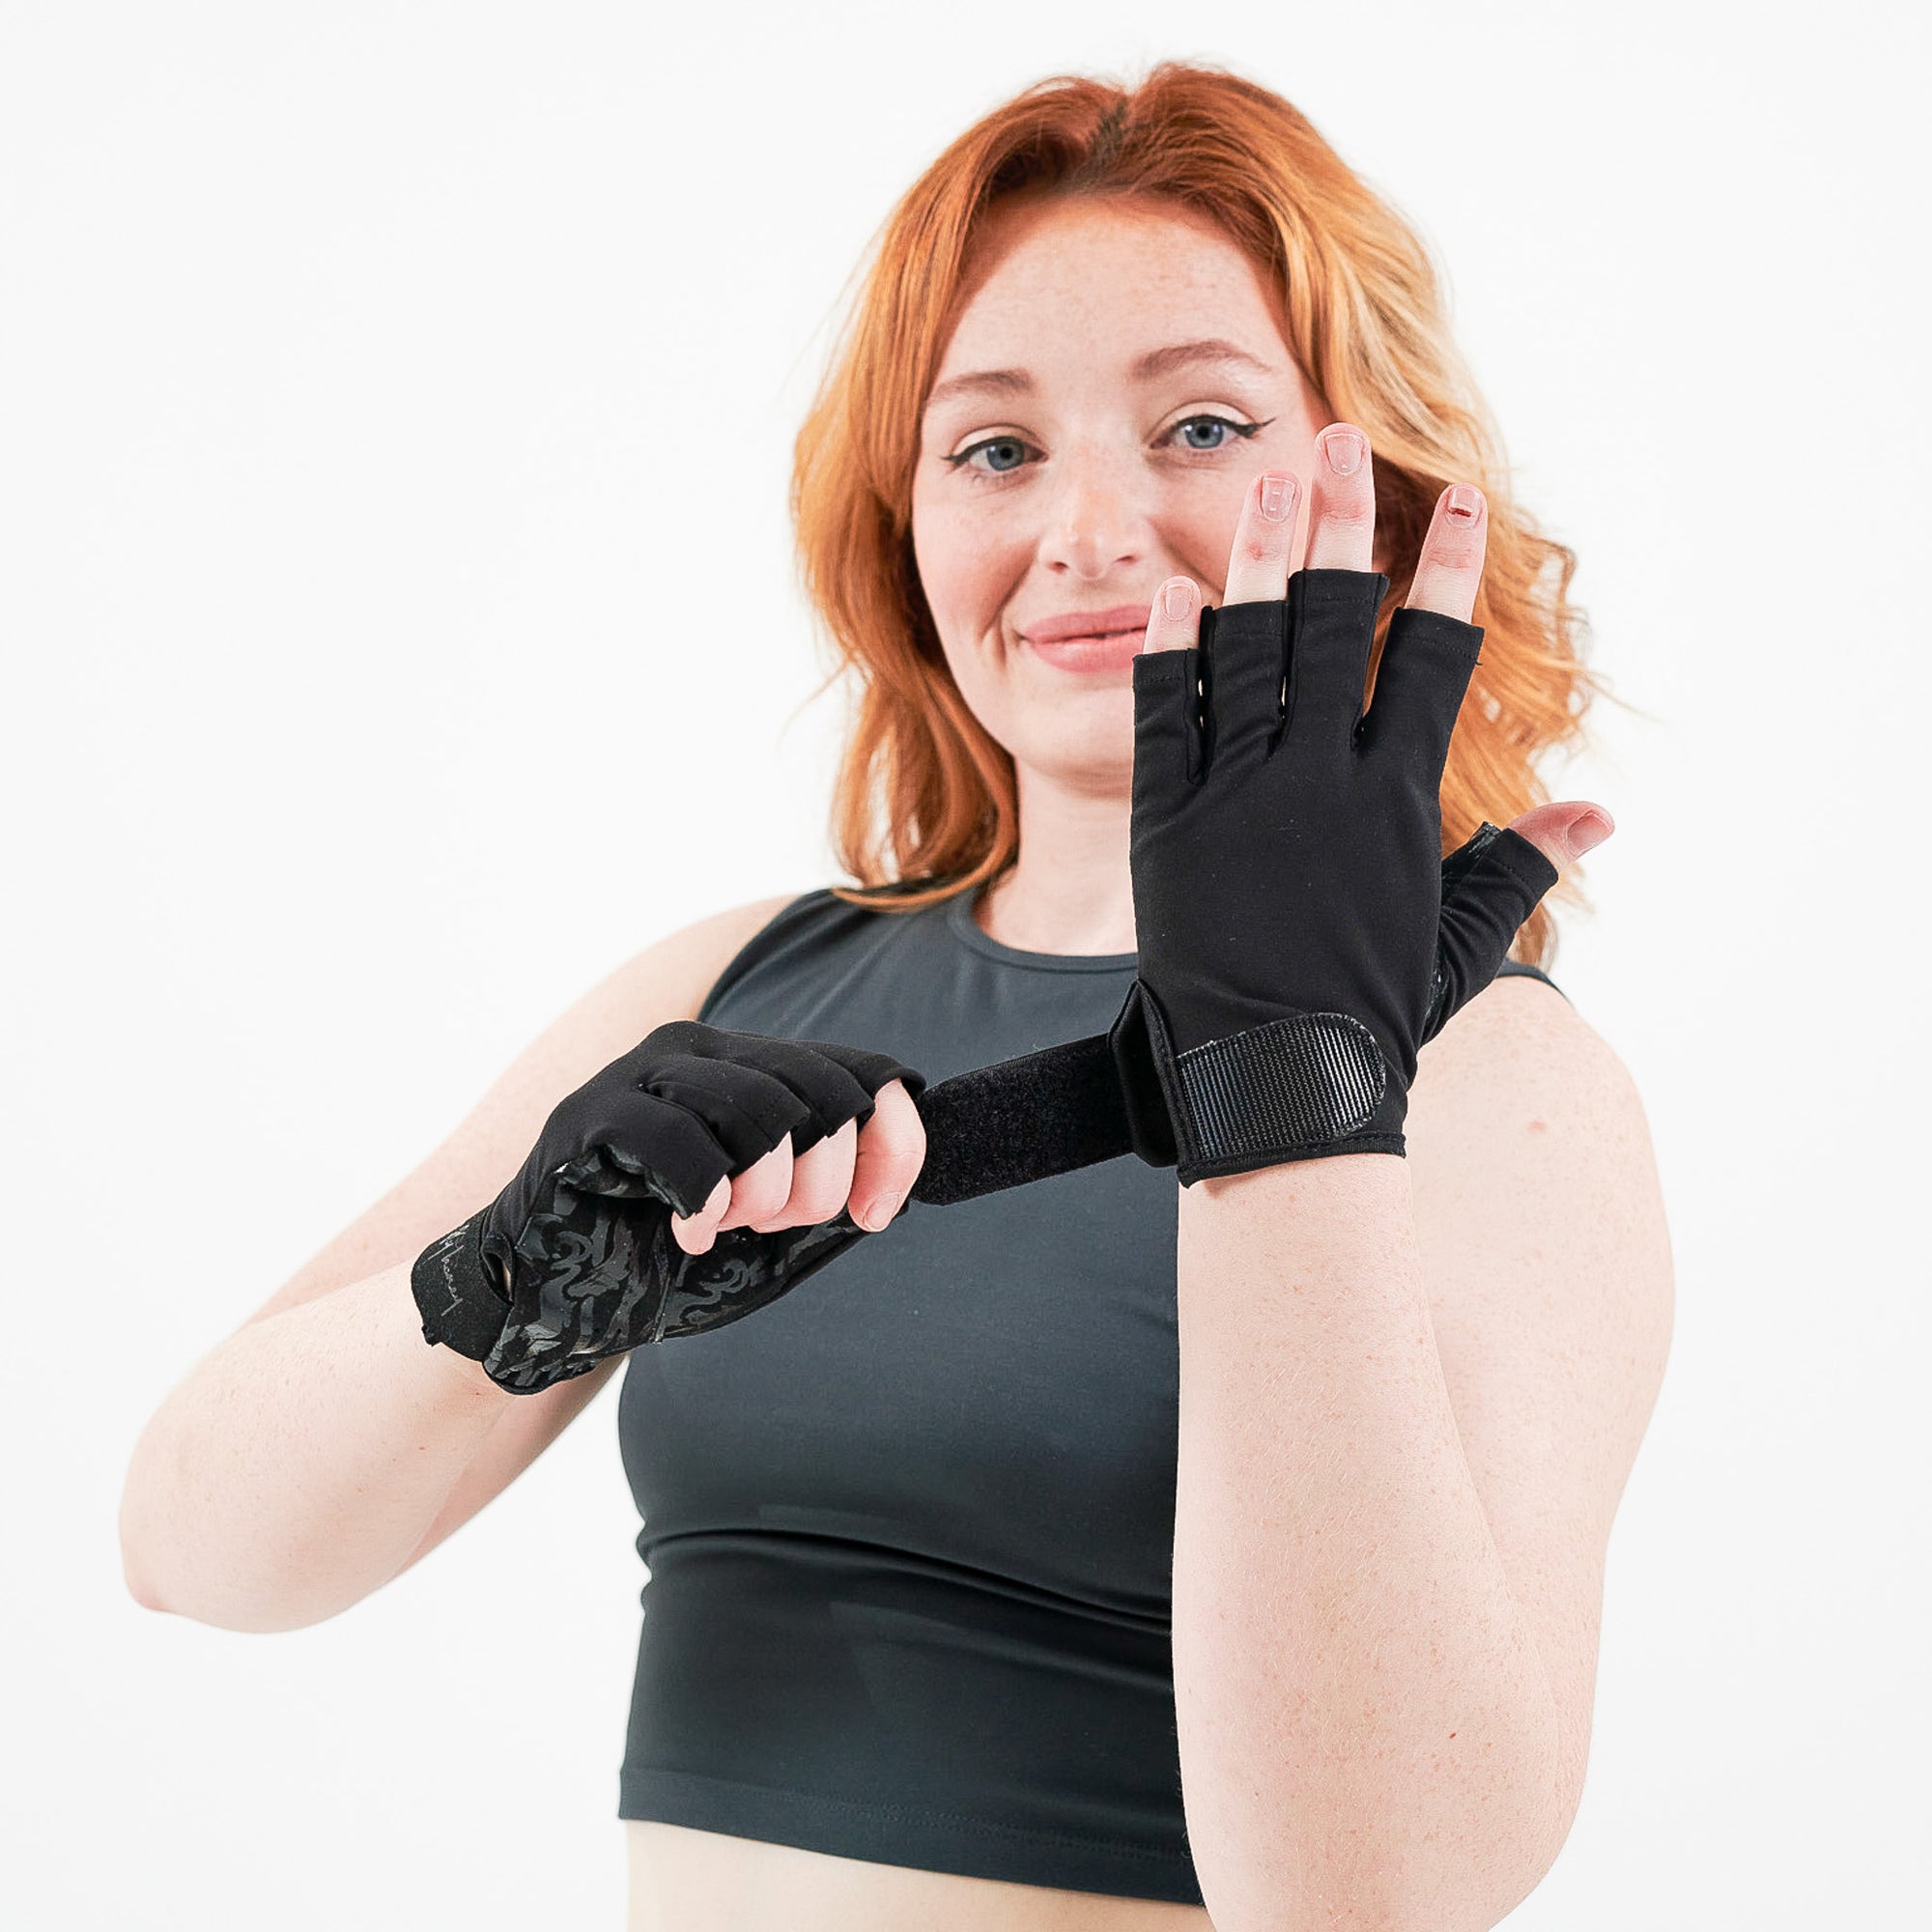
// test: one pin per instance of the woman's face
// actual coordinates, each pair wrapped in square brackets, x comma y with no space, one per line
[1113,384]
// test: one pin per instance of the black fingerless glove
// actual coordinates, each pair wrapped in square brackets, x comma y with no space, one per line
[576,1260]
[1300,934]
[1300,937]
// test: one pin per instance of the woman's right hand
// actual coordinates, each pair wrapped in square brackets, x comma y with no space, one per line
[589,1251]
[867,1170]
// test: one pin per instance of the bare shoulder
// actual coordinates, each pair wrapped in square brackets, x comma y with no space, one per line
[1527,1136]
[696,954]
[1525,1128]
[1520,1039]
[665,981]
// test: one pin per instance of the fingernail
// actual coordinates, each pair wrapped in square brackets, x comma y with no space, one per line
[1177,596]
[1464,504]
[1344,450]
[882,1211]
[1592,828]
[1277,494]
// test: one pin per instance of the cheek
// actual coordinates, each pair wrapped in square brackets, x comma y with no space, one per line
[969,563]
[1201,523]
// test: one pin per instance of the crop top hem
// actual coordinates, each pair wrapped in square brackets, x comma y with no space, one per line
[905,1834]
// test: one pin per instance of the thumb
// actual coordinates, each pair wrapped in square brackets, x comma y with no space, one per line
[1563,832]
[1490,884]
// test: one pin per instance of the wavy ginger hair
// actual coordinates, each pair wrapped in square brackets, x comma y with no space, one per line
[925,805]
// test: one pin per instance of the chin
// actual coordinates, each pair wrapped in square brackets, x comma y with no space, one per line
[1099,760]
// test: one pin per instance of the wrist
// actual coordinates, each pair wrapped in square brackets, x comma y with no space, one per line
[1324,1229]
[1331,1205]
[460,1292]
[467,1379]
[1233,1166]
[1291,1088]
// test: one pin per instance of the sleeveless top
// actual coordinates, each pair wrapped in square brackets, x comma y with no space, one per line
[909,1529]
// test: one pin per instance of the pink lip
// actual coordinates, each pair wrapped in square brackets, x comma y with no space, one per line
[1087,624]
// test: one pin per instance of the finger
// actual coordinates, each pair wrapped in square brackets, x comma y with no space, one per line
[1264,540]
[761,1191]
[1167,680]
[1565,831]
[892,1150]
[748,1111]
[1428,660]
[1332,615]
[1490,884]
[821,1178]
[1244,657]
[1168,736]
[1175,618]
[1342,503]
[1450,569]
[684,1157]
[696,1233]
[733,1200]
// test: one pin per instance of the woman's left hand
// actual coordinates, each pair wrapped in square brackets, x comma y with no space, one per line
[1342,536]
[1301,933]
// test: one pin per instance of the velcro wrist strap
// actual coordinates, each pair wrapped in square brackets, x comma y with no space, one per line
[1022,1120]
[459,1294]
[1293,1084]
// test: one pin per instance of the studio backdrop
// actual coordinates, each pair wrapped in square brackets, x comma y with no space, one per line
[402,631]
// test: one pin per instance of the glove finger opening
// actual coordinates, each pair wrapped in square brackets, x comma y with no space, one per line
[1427,663]
[1169,748]
[1245,649]
[645,1147]
[1332,631]
[872,1071]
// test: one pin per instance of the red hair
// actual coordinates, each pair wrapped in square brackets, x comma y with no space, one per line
[924,805]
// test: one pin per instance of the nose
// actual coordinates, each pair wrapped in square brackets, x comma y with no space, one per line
[1093,522]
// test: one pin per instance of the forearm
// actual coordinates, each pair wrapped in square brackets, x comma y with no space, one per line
[1366,1735]
[298,1465]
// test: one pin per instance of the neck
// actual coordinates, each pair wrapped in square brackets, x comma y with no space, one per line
[1071,888]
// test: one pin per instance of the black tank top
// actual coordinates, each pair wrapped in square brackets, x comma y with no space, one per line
[909,1529]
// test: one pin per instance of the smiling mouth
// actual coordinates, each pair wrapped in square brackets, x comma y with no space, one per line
[1105,624]
[1088,636]
[1089,654]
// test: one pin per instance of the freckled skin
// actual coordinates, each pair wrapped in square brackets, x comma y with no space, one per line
[1074,293]
[1082,493]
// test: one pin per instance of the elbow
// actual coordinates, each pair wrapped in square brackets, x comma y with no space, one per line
[234,1609]
[146,1597]
[134,1573]
[139,1579]
[235,1606]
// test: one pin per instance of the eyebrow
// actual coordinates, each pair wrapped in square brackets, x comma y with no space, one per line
[1154,364]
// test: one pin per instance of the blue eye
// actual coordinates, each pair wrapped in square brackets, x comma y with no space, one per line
[1006,454]
[1009,443]
[1213,423]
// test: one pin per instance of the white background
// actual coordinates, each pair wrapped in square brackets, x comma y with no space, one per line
[396,407]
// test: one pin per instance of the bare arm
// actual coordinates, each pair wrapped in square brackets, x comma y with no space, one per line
[293,1470]
[321,1448]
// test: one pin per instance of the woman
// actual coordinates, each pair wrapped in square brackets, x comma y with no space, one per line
[1100,1553]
